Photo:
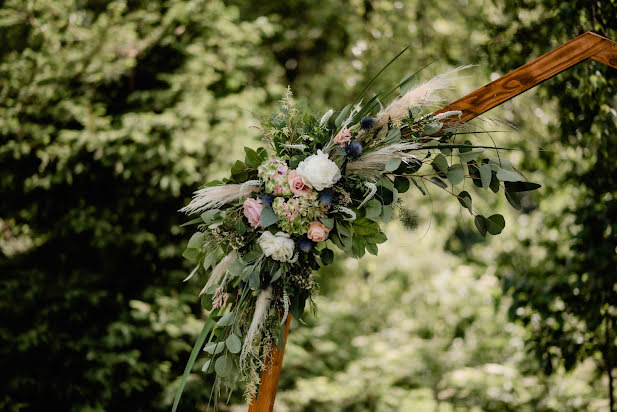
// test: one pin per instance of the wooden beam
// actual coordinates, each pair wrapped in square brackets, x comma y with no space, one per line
[585,46]
[270,375]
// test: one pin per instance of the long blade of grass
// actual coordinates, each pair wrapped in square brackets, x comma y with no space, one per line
[377,75]
[189,366]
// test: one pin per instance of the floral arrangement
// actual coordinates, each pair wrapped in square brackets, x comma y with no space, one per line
[324,183]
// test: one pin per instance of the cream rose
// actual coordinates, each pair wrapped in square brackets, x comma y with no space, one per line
[279,247]
[318,171]
[317,232]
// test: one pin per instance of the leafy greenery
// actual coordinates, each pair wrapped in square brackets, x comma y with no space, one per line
[113,112]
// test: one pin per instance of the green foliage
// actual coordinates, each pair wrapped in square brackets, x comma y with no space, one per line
[110,113]
[563,283]
[113,112]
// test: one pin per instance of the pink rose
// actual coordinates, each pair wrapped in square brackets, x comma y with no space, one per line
[298,187]
[317,232]
[343,137]
[252,211]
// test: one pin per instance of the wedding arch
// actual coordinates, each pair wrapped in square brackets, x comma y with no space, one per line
[586,46]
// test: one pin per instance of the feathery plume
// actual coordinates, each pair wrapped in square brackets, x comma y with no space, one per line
[372,164]
[423,94]
[262,305]
[215,196]
[218,271]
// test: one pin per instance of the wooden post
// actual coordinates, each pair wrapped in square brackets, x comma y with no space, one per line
[586,46]
[270,378]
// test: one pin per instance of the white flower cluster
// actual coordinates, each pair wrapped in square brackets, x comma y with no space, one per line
[279,247]
[318,171]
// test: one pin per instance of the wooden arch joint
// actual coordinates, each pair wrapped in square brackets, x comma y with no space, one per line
[586,46]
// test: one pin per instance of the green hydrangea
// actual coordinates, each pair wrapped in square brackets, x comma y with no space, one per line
[273,173]
[296,213]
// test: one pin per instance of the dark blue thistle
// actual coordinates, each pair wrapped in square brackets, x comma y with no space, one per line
[354,150]
[305,245]
[367,123]
[326,198]
[267,200]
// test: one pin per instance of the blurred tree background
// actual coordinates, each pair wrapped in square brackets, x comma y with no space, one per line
[113,112]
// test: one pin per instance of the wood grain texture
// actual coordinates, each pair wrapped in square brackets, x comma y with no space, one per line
[270,378]
[585,46]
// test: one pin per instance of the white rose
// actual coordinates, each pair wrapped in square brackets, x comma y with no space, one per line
[280,247]
[319,171]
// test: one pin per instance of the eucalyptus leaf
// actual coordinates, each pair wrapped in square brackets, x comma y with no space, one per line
[233,343]
[196,241]
[441,163]
[192,274]
[465,200]
[521,186]
[268,217]
[191,254]
[254,280]
[401,183]
[393,164]
[480,222]
[437,181]
[236,267]
[277,275]
[514,199]
[386,214]
[495,224]
[206,365]
[456,174]
[191,222]
[373,209]
[470,155]
[485,176]
[214,348]
[223,366]
[508,176]
[252,256]
[209,216]
[226,320]
[417,185]
[210,260]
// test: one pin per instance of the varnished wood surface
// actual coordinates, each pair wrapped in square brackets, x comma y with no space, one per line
[585,46]
[270,378]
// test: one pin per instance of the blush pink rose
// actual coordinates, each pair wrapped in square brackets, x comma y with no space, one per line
[343,137]
[252,211]
[317,232]
[297,185]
